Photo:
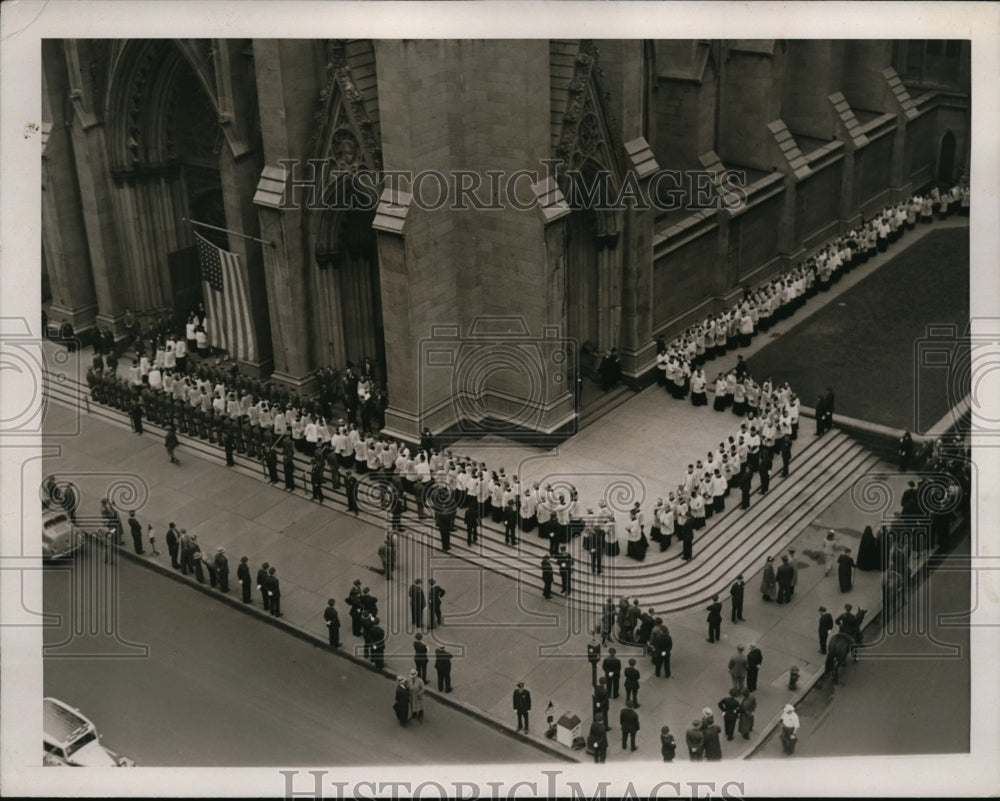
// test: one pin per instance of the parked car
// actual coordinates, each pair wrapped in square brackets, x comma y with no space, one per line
[71,740]
[59,536]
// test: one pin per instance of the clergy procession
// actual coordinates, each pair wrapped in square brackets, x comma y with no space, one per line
[167,375]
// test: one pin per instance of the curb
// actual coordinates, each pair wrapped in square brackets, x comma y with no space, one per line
[290,628]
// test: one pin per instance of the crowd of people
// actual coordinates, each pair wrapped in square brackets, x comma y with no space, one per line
[262,419]
[680,363]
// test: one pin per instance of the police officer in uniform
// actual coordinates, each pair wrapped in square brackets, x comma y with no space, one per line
[522,705]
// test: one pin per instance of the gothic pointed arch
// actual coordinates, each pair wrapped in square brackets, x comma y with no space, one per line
[347,144]
[592,168]
[589,132]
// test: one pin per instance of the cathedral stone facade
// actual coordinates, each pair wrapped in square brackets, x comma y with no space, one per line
[482,218]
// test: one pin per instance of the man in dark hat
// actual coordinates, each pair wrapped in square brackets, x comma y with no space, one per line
[354,602]
[714,619]
[436,592]
[612,667]
[522,705]
[730,707]
[402,701]
[736,595]
[442,664]
[784,578]
[332,623]
[547,575]
[136,529]
[351,492]
[417,604]
[825,627]
[597,738]
[243,577]
[222,569]
[262,586]
[420,658]
[273,587]
[754,660]
[629,721]
[600,701]
[632,684]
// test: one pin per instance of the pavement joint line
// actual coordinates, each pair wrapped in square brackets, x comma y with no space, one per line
[296,631]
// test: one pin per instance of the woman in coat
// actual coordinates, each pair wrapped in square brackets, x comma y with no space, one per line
[868,551]
[845,571]
[416,690]
[769,582]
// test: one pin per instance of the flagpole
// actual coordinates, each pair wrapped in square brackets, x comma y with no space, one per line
[227,231]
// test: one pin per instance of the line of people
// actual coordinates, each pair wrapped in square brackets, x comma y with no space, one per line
[680,362]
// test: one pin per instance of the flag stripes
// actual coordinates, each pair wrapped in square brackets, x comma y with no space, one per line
[227,308]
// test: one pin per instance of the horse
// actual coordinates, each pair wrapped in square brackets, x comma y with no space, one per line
[838,649]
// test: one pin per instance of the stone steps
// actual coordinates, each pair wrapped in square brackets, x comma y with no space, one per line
[734,542]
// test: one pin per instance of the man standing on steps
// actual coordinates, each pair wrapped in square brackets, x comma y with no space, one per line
[714,619]
[745,483]
[828,409]
[565,570]
[786,455]
[547,575]
[736,594]
[766,461]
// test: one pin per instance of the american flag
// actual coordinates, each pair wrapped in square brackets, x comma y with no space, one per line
[227,308]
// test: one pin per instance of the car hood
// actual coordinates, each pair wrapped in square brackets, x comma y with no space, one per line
[94,755]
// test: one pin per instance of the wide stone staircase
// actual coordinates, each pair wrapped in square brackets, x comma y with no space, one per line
[733,542]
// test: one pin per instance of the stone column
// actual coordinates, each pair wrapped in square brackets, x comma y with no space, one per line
[285,72]
[92,175]
[64,237]
[403,380]
[638,351]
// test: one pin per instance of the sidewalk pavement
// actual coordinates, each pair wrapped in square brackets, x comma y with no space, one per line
[498,632]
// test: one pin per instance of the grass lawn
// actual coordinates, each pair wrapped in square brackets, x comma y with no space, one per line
[868,343]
